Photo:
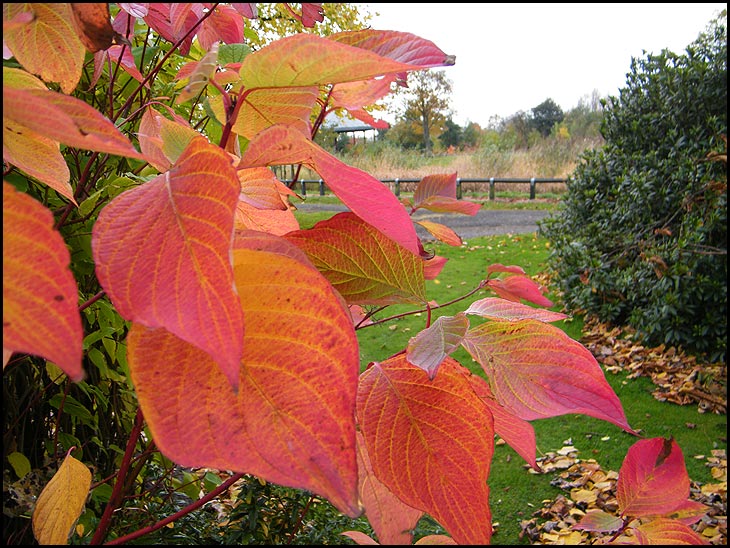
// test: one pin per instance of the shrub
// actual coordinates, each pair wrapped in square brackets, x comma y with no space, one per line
[641,237]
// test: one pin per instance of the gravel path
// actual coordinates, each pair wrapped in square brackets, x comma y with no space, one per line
[487,222]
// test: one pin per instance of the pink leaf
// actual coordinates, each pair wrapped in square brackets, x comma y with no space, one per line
[537,371]
[366,196]
[432,345]
[162,253]
[514,288]
[517,433]
[40,297]
[500,309]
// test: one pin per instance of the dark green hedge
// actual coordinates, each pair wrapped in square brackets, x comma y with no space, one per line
[641,238]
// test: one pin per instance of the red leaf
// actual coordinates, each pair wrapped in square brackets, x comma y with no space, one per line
[162,253]
[514,288]
[225,25]
[429,348]
[444,433]
[40,297]
[366,196]
[292,420]
[361,263]
[517,433]
[536,371]
[653,480]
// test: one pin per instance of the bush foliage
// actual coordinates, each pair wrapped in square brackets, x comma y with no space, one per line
[641,237]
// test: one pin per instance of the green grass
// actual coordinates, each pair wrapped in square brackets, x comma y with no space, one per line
[515,493]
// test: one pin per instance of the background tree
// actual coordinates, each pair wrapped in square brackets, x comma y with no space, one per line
[641,238]
[545,116]
[452,134]
[276,20]
[426,102]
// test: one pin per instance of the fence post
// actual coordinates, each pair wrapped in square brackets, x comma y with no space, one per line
[397,186]
[458,188]
[532,188]
[491,188]
[321,187]
[304,188]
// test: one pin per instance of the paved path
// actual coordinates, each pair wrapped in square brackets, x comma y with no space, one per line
[487,222]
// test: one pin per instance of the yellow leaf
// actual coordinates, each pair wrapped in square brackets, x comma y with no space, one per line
[61,502]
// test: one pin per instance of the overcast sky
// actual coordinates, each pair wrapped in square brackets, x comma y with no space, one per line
[512,57]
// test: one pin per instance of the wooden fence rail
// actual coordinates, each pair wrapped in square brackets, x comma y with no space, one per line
[534,181]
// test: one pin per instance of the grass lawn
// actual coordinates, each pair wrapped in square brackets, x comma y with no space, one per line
[515,493]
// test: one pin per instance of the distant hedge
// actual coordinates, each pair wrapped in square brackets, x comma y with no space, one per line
[641,238]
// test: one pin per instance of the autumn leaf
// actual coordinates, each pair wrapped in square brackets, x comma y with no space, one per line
[501,309]
[366,196]
[445,434]
[392,520]
[442,232]
[361,263]
[261,189]
[51,32]
[163,140]
[225,25]
[65,119]
[403,47]
[516,287]
[536,371]
[162,253]
[61,502]
[653,480]
[429,348]
[438,193]
[93,25]
[291,421]
[40,297]
[517,433]
[600,521]
[664,531]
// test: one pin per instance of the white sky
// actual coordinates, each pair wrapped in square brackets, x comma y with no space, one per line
[512,57]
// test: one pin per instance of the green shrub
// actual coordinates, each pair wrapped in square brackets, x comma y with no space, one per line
[641,238]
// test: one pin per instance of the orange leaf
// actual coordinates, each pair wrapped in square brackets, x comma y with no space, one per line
[598,520]
[260,188]
[429,348]
[536,371]
[40,297]
[61,502]
[361,263]
[51,30]
[162,253]
[291,421]
[653,480]
[162,140]
[442,232]
[444,433]
[366,196]
[667,532]
[392,520]
[272,221]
